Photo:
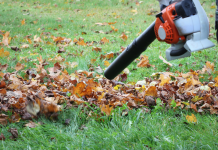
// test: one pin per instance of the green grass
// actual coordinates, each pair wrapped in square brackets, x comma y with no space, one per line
[137,130]
[161,130]
[47,14]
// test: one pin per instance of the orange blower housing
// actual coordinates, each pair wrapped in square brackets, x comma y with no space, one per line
[165,29]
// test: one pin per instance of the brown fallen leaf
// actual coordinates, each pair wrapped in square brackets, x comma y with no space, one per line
[2,137]
[106,63]
[104,40]
[191,118]
[113,28]
[15,48]
[3,67]
[23,22]
[37,39]
[165,79]
[29,40]
[123,77]
[83,89]
[26,116]
[25,46]
[14,118]
[97,49]
[124,36]
[31,124]
[3,119]
[14,133]
[2,74]
[3,91]
[151,91]
[4,53]
[2,84]
[106,109]
[209,67]
[99,69]
[6,39]
[166,62]
[107,56]
[110,23]
[73,64]
[101,24]
[19,66]
[193,106]
[82,43]
[61,50]
[93,61]
[144,62]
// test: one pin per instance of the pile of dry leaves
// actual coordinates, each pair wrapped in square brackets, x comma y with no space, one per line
[43,91]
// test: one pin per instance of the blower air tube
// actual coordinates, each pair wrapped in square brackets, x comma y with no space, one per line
[133,51]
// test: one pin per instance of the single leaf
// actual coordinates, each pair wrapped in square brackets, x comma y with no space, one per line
[216,81]
[144,62]
[3,119]
[23,22]
[29,40]
[106,63]
[81,43]
[101,24]
[193,106]
[151,91]
[25,46]
[104,40]
[15,48]
[165,79]
[113,28]
[99,69]
[134,11]
[191,118]
[37,39]
[73,64]
[31,124]
[124,36]
[19,66]
[166,62]
[106,109]
[13,132]
[4,53]
[97,49]
[2,137]
[2,84]
[6,39]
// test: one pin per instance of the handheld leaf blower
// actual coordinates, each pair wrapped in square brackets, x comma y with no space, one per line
[181,23]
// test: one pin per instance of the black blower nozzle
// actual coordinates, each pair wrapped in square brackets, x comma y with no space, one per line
[133,51]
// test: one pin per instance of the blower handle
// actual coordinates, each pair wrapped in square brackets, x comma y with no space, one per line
[133,51]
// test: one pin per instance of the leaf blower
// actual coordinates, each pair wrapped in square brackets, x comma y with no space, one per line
[181,23]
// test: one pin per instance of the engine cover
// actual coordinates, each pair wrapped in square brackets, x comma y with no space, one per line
[167,28]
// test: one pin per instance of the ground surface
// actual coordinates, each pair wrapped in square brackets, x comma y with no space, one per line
[79,35]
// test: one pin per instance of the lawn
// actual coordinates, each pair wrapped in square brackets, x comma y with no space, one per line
[91,29]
